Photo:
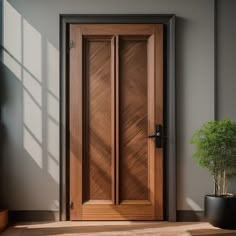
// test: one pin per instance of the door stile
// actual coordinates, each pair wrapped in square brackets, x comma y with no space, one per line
[76,126]
[117,170]
[85,113]
[113,117]
[159,119]
[151,115]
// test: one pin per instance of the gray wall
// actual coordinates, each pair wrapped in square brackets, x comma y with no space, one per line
[30,94]
[226,58]
[226,63]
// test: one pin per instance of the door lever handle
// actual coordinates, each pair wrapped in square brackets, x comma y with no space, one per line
[152,136]
[158,136]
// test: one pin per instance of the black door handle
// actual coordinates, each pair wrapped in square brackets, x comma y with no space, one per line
[158,136]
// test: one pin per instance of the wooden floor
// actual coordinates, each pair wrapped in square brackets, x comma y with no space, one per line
[115,228]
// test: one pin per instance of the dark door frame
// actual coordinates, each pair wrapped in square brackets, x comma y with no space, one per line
[169,101]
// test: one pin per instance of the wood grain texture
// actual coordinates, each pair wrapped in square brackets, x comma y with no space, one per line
[133,120]
[98,172]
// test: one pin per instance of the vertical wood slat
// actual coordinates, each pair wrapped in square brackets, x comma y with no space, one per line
[151,115]
[159,119]
[113,118]
[76,139]
[85,117]
[117,170]
[79,49]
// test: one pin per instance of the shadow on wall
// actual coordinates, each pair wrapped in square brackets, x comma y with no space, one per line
[29,114]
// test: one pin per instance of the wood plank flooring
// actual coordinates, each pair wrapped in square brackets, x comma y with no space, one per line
[115,228]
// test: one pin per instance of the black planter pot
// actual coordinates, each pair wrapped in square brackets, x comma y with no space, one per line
[221,211]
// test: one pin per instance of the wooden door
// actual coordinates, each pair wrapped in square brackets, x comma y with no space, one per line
[116,100]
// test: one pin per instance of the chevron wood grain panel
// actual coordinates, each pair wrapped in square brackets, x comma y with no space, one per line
[133,120]
[98,173]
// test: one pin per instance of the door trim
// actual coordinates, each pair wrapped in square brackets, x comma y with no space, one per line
[169,102]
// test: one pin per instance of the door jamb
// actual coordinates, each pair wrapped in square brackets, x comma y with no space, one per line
[169,93]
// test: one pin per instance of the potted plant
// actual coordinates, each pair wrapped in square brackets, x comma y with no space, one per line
[215,149]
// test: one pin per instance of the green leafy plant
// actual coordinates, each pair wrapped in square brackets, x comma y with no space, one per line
[215,149]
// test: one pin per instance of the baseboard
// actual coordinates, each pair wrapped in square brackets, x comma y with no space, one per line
[190,216]
[3,219]
[19,216]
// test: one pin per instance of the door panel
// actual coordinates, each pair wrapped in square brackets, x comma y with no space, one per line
[97,158]
[116,99]
[133,119]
